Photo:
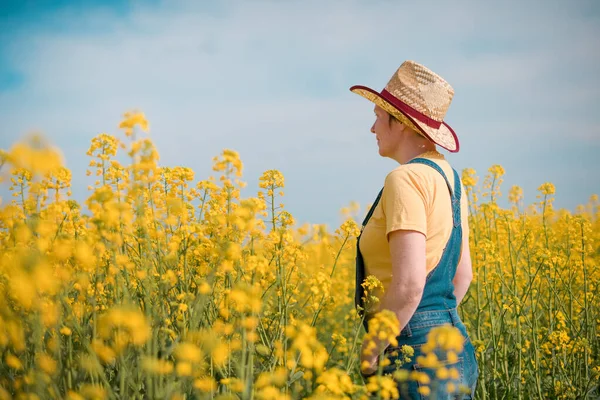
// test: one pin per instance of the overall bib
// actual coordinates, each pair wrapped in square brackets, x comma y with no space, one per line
[437,307]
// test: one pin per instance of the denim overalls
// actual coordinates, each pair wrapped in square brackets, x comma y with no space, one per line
[437,307]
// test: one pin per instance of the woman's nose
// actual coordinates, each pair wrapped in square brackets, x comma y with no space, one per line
[373,128]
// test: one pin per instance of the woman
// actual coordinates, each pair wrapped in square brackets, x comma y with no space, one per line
[416,238]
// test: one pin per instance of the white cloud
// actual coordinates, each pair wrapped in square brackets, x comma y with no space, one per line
[270,79]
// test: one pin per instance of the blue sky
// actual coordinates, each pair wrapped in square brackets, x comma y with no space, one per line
[270,79]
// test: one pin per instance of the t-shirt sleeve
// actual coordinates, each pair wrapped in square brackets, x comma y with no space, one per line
[404,202]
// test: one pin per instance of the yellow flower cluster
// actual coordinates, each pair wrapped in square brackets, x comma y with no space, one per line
[440,355]
[383,327]
[157,286]
[133,119]
[535,271]
[124,327]
[311,353]
[33,155]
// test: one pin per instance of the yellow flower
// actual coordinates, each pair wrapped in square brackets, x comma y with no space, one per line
[133,322]
[401,375]
[206,384]
[547,189]
[335,381]
[23,290]
[204,288]
[452,357]
[384,326]
[47,364]
[71,395]
[442,373]
[91,364]
[133,119]
[446,337]
[497,171]
[229,162]
[13,362]
[184,368]
[468,177]
[235,384]
[271,179]
[93,392]
[157,366]
[35,155]
[188,352]
[105,353]
[220,354]
[312,353]
[515,194]
[349,228]
[420,377]
[384,386]
[454,374]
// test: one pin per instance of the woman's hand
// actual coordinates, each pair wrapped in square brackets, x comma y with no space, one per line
[464,271]
[368,361]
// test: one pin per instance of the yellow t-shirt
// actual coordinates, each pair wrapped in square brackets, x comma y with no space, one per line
[415,197]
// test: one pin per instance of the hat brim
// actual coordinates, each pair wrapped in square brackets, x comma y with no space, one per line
[444,136]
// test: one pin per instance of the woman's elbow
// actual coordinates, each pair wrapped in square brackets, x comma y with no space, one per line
[463,277]
[411,292]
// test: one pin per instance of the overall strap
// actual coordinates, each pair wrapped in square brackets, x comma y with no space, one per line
[360,266]
[455,193]
[370,213]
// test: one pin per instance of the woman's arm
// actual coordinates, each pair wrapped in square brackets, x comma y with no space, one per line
[464,271]
[409,272]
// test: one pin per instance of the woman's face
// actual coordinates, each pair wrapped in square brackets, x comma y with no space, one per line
[387,132]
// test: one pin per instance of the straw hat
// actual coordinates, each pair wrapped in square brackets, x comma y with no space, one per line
[419,98]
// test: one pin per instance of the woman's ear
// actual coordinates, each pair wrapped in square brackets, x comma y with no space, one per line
[401,127]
